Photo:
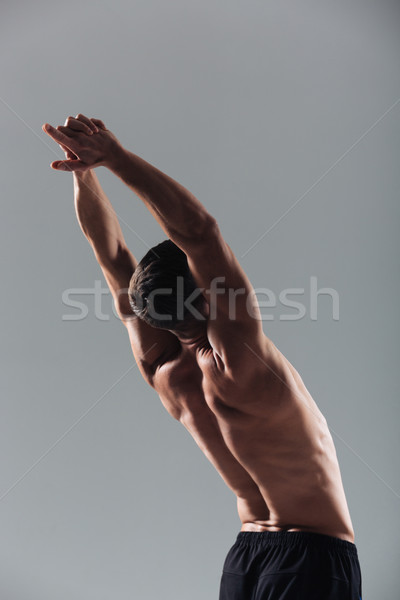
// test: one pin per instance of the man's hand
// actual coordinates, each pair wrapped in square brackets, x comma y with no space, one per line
[86,142]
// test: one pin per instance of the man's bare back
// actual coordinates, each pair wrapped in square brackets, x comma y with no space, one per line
[265,436]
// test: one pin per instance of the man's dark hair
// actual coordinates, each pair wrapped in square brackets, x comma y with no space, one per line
[160,285]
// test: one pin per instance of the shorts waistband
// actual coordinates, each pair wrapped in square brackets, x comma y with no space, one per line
[291,538]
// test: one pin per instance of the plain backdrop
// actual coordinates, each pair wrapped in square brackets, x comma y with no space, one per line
[281,117]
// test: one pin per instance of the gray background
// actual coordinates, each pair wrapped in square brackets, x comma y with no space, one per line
[248,104]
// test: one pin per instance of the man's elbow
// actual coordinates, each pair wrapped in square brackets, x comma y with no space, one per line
[211,229]
[201,232]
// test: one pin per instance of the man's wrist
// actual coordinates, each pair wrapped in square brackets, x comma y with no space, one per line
[83,175]
[116,158]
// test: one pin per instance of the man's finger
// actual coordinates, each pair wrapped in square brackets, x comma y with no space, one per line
[69,165]
[66,130]
[72,133]
[87,122]
[77,125]
[99,123]
[58,136]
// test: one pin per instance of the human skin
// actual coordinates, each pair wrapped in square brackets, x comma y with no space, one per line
[222,378]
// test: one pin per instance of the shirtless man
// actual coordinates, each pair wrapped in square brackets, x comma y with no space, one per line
[196,334]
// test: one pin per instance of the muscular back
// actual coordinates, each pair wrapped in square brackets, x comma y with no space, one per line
[263,433]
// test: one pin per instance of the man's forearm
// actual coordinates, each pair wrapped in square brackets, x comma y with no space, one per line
[96,217]
[177,210]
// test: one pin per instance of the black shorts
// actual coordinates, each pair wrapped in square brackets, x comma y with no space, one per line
[284,565]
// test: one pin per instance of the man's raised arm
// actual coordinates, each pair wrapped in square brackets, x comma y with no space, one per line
[180,214]
[100,225]
[234,313]
[187,223]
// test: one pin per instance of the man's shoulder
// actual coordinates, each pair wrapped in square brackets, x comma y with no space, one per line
[179,370]
[249,361]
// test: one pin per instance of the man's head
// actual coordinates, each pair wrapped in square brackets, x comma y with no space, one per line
[163,293]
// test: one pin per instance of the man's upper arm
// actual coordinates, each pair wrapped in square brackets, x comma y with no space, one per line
[150,346]
[234,313]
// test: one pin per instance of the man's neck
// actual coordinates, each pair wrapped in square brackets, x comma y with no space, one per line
[192,337]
